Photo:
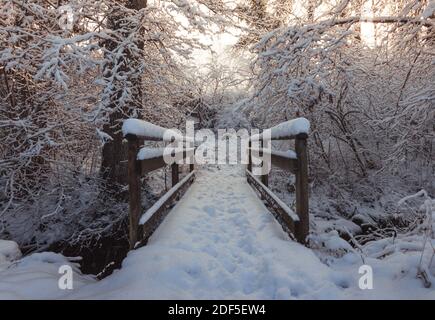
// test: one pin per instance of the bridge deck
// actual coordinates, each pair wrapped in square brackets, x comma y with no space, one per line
[219,241]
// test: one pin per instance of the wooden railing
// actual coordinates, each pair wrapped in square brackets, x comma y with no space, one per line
[296,226]
[141,227]
[140,231]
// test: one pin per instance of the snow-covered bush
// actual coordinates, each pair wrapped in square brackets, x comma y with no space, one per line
[370,98]
[424,226]
[65,88]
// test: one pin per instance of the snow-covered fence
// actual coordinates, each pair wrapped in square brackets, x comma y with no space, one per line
[144,160]
[295,162]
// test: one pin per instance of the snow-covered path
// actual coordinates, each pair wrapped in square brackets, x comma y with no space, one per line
[219,241]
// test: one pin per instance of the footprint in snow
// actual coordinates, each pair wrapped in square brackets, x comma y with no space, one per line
[210,210]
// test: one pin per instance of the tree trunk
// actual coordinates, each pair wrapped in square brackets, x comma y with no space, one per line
[114,155]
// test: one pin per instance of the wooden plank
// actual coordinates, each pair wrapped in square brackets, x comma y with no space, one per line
[162,211]
[284,215]
[134,189]
[302,210]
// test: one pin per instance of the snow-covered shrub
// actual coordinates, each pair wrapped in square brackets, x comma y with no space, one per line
[64,92]
[424,226]
[371,104]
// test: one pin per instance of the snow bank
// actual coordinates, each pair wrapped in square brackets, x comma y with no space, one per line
[37,277]
[147,129]
[394,262]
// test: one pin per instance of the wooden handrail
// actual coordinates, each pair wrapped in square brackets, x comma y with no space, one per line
[155,215]
[297,166]
[280,160]
[288,220]
[151,164]
[260,137]
[137,168]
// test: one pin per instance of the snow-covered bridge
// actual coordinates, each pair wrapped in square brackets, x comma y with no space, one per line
[218,242]
[218,233]
[259,154]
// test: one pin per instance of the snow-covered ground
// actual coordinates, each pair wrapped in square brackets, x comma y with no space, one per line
[35,276]
[220,242]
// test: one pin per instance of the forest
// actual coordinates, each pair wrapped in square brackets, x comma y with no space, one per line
[362,72]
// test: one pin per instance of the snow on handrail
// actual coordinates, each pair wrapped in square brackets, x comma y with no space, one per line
[286,129]
[156,206]
[287,210]
[146,153]
[150,131]
[289,154]
[150,153]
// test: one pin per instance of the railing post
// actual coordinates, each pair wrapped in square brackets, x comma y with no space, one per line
[249,156]
[302,227]
[175,173]
[134,190]
[192,164]
[264,177]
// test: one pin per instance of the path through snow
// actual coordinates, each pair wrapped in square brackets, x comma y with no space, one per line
[220,242]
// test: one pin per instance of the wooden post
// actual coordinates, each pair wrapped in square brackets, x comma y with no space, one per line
[302,227]
[175,174]
[264,177]
[134,190]
[192,165]
[249,156]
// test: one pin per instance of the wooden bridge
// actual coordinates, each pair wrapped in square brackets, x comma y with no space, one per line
[143,160]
